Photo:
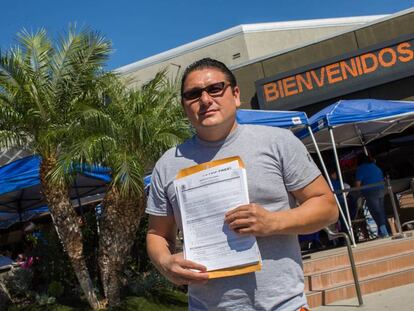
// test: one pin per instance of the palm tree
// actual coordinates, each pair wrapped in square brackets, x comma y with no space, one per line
[128,133]
[41,88]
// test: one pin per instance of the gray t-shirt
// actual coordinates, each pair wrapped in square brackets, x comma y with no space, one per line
[276,163]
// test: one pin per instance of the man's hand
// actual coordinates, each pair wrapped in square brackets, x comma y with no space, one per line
[250,219]
[317,209]
[161,237]
[176,269]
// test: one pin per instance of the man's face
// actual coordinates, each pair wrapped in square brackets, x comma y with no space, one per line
[214,110]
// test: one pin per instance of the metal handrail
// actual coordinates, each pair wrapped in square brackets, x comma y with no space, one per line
[388,188]
[411,222]
[351,260]
[355,189]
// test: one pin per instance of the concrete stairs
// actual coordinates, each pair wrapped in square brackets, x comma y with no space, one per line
[381,264]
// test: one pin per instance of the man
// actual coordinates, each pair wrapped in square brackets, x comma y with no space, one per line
[279,170]
[369,173]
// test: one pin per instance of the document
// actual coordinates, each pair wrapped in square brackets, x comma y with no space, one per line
[204,197]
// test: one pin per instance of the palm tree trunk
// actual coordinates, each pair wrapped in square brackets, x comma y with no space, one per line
[118,227]
[67,225]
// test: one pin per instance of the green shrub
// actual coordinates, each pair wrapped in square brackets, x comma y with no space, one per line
[18,282]
[149,284]
[53,263]
[43,300]
[55,289]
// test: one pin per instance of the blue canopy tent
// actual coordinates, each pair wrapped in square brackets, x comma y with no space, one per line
[20,195]
[356,123]
[293,120]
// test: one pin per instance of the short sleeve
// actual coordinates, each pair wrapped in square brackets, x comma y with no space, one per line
[298,167]
[158,203]
[359,174]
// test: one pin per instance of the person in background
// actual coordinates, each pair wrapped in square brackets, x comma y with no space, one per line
[369,173]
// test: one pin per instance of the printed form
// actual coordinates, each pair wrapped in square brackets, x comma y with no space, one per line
[204,198]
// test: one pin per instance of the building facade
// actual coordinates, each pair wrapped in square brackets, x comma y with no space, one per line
[241,47]
[304,65]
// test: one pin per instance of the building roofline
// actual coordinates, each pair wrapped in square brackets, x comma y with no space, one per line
[381,19]
[246,28]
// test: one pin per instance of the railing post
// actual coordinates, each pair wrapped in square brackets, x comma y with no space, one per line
[351,260]
[394,206]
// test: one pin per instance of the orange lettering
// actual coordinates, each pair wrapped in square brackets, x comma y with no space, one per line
[331,70]
[365,67]
[301,80]
[270,91]
[320,82]
[404,49]
[350,69]
[289,86]
[358,62]
[393,57]
[279,84]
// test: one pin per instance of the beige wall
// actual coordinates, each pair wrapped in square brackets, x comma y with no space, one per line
[385,31]
[223,51]
[320,51]
[250,45]
[264,43]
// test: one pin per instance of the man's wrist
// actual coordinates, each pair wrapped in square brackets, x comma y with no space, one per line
[280,223]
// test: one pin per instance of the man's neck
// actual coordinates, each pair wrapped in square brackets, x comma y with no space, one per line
[215,134]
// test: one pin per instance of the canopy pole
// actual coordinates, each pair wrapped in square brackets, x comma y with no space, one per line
[328,179]
[359,133]
[338,168]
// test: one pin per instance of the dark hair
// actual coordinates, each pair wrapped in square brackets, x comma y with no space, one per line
[331,169]
[208,63]
[363,158]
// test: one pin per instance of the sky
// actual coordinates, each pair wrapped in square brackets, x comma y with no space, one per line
[139,29]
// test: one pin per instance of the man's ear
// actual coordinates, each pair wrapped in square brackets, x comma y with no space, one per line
[236,94]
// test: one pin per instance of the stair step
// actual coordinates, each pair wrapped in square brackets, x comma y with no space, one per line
[369,285]
[362,254]
[314,298]
[326,279]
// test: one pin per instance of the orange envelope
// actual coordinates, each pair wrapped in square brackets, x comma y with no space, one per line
[227,271]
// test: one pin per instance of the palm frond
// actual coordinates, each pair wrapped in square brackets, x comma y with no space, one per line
[94,120]
[128,175]
[12,75]
[8,113]
[12,139]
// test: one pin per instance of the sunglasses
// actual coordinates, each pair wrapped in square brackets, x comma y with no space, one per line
[214,90]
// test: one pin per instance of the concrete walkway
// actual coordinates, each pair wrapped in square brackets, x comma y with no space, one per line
[397,298]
